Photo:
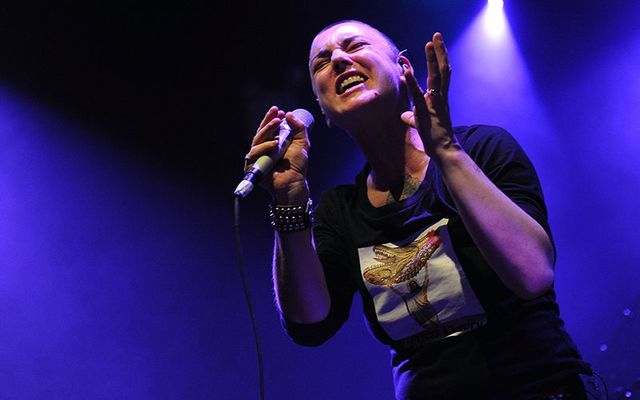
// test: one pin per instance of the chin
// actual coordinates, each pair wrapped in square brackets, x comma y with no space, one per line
[355,108]
[362,99]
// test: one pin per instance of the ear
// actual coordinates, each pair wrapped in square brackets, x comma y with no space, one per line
[404,64]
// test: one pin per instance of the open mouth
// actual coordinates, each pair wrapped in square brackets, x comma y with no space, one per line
[350,81]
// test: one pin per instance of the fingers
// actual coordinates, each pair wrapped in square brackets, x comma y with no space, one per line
[444,68]
[264,140]
[271,113]
[438,65]
[269,126]
[420,116]
[260,149]
[294,122]
[267,140]
[407,118]
[433,71]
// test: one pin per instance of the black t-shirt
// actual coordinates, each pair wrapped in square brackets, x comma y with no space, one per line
[452,325]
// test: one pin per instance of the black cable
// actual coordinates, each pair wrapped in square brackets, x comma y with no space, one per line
[245,285]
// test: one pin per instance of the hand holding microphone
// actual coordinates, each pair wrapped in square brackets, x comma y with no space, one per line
[273,150]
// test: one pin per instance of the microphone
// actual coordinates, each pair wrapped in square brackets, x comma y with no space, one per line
[265,163]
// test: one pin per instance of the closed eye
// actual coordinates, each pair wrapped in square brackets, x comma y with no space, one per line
[350,45]
[355,46]
[319,64]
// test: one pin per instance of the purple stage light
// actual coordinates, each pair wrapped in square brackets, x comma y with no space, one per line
[491,84]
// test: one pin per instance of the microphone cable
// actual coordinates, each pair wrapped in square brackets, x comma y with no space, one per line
[263,165]
[245,286]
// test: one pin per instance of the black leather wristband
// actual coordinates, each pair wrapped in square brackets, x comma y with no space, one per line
[291,218]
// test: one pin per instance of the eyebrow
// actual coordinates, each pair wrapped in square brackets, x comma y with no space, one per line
[325,52]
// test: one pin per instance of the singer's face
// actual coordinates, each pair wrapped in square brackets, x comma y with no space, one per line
[352,65]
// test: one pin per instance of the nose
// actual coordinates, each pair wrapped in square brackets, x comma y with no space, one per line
[340,60]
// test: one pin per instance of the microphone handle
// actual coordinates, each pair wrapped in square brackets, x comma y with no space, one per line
[265,163]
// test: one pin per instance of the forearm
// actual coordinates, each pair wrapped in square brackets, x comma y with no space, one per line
[512,242]
[299,281]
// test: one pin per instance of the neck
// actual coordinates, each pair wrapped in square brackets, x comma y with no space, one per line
[394,151]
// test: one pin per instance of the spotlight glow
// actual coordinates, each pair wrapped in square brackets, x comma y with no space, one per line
[495,22]
[486,58]
[496,4]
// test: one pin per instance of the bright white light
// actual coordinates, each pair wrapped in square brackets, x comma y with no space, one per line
[494,19]
[496,4]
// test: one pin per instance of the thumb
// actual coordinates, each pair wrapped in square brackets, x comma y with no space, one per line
[294,122]
[408,118]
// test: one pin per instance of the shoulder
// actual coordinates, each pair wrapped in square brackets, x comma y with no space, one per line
[478,135]
[488,142]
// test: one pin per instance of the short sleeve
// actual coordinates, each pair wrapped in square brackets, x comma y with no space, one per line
[506,164]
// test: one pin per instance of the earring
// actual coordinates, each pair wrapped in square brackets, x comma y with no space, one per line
[328,122]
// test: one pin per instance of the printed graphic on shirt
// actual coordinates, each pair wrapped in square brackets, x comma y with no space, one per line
[420,287]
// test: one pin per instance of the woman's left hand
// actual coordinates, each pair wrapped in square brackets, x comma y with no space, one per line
[430,114]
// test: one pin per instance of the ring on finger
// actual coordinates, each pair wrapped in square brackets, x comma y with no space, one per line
[433,92]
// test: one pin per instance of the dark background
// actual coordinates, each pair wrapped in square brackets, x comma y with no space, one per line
[177,82]
[123,126]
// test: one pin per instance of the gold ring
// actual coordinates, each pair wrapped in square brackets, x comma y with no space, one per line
[433,92]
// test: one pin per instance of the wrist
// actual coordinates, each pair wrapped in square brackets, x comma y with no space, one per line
[291,218]
[447,152]
[296,193]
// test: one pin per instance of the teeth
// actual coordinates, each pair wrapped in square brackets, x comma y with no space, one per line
[349,81]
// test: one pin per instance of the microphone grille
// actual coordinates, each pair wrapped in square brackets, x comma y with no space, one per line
[304,116]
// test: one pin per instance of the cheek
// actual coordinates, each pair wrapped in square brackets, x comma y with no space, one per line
[321,86]
[323,82]
[391,81]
